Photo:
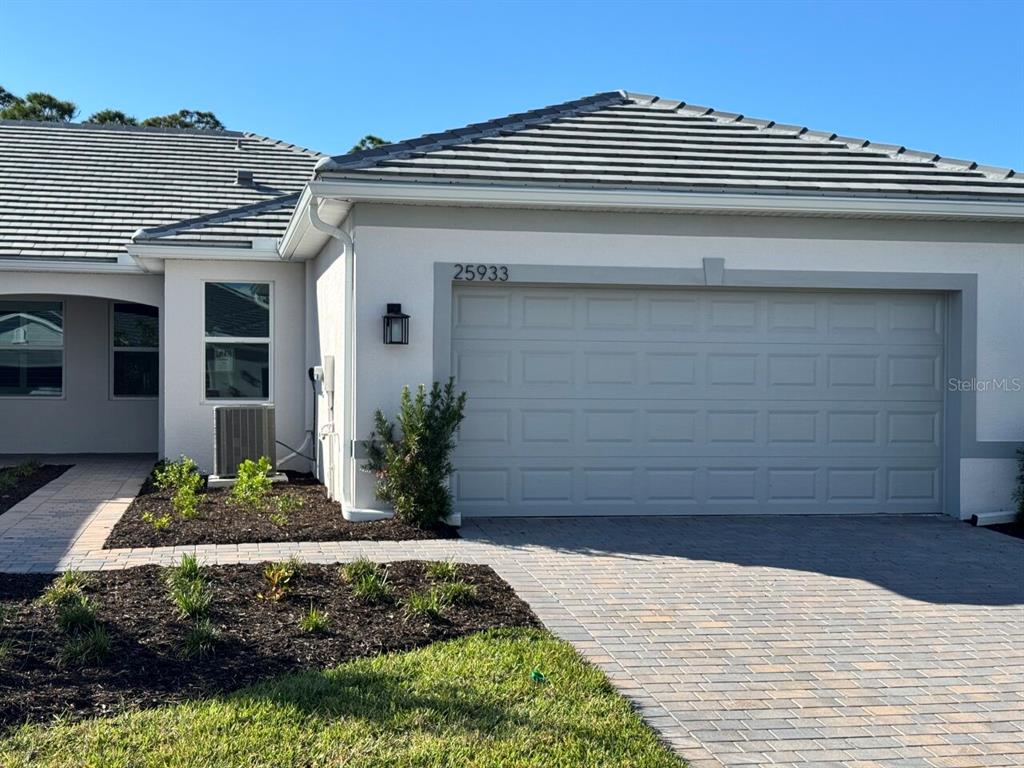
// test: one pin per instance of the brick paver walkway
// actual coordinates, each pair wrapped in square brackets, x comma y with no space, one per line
[856,641]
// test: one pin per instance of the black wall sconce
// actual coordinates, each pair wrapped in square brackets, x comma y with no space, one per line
[396,325]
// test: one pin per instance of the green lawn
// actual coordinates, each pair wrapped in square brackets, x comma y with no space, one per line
[469,702]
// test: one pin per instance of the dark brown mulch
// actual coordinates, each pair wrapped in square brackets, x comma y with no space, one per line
[222,522]
[1009,529]
[258,639]
[26,486]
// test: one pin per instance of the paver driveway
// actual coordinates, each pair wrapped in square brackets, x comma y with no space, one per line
[811,641]
[814,641]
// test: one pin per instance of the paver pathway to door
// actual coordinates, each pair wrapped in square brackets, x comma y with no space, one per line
[747,641]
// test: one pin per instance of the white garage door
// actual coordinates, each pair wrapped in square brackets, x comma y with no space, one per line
[601,401]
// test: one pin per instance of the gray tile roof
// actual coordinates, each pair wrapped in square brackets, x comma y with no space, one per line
[626,140]
[81,191]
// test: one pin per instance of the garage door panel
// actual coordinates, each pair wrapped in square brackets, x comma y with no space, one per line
[580,427]
[597,401]
[485,312]
[714,485]
[693,368]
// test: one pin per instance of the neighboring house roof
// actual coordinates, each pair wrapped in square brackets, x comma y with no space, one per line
[627,140]
[80,191]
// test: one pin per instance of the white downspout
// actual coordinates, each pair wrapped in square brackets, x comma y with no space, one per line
[347,462]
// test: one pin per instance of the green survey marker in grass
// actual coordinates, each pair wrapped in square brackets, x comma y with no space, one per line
[468,702]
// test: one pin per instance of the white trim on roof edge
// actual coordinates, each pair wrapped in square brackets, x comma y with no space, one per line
[498,195]
[150,257]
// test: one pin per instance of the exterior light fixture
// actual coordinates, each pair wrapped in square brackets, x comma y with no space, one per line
[396,325]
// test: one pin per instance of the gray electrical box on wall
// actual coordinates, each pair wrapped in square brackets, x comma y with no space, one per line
[242,432]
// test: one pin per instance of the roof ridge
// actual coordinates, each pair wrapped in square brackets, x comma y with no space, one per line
[217,217]
[895,151]
[438,140]
[117,127]
[285,144]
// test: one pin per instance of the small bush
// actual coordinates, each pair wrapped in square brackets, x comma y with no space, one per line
[172,475]
[159,522]
[90,647]
[424,605]
[286,503]
[455,592]
[278,576]
[186,501]
[412,470]
[200,639]
[27,468]
[252,485]
[67,586]
[357,569]
[443,570]
[187,569]
[279,520]
[76,614]
[192,598]
[372,587]
[314,620]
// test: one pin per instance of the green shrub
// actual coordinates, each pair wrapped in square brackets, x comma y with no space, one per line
[76,614]
[279,520]
[424,605]
[159,522]
[455,592]
[314,620]
[7,479]
[172,475]
[186,502]
[191,597]
[443,570]
[278,576]
[26,469]
[67,586]
[372,587]
[356,569]
[252,484]
[412,470]
[87,648]
[286,503]
[200,640]
[186,570]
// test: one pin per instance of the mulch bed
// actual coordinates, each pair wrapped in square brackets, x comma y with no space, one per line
[222,522]
[258,638]
[26,486]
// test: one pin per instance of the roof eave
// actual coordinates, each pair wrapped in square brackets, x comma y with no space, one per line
[426,193]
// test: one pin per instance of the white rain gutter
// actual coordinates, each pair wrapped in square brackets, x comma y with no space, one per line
[647,200]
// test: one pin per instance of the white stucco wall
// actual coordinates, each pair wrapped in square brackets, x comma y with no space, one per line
[397,247]
[87,419]
[327,294]
[187,414]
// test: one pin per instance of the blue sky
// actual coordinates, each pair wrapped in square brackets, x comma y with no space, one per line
[939,76]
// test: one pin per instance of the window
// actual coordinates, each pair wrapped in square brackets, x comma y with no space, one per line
[31,348]
[237,334]
[135,339]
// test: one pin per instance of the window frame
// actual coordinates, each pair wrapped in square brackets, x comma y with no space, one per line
[62,349]
[115,349]
[268,340]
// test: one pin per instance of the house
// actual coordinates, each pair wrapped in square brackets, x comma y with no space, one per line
[655,307]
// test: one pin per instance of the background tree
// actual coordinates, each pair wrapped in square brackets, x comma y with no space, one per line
[36,106]
[369,141]
[115,116]
[185,118]
[7,98]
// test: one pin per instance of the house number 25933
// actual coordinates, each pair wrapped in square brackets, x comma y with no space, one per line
[493,273]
